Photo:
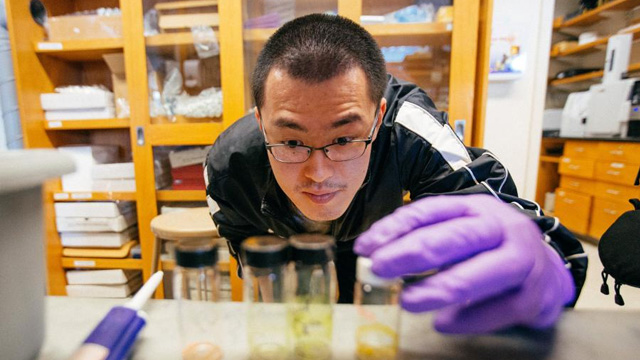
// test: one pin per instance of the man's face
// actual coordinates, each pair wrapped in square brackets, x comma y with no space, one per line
[317,115]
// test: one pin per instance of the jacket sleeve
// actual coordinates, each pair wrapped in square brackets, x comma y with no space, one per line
[231,224]
[433,161]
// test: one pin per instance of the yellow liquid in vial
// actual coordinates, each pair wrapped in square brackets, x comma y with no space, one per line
[201,351]
[311,326]
[376,342]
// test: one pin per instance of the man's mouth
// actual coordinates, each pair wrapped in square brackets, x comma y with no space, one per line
[320,198]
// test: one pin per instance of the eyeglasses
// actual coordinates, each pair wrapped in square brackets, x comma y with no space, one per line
[339,151]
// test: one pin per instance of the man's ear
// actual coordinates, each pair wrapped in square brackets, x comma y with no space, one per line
[383,110]
[256,112]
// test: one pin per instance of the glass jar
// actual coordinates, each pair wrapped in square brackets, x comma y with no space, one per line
[264,266]
[311,295]
[195,286]
[376,301]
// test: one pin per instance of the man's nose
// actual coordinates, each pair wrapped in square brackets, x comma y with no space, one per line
[318,168]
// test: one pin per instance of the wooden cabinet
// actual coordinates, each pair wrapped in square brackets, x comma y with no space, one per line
[593,191]
[454,73]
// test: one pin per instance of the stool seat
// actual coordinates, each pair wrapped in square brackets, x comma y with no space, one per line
[192,223]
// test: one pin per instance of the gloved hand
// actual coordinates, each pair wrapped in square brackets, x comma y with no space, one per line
[495,270]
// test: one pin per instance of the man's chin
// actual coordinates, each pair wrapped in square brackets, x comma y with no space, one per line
[321,212]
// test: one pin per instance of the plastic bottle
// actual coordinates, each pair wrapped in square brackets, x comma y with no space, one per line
[376,301]
[311,295]
[195,283]
[265,260]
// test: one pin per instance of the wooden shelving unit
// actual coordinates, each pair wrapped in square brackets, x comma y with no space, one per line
[550,159]
[79,50]
[87,124]
[597,14]
[598,45]
[100,263]
[595,75]
[181,195]
[93,196]
[42,65]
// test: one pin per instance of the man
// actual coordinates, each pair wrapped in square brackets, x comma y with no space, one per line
[333,145]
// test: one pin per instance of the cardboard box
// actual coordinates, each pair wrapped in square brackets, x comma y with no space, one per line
[83,27]
[115,62]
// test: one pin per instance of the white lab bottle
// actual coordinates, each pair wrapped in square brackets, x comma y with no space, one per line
[264,276]
[195,286]
[312,293]
[376,301]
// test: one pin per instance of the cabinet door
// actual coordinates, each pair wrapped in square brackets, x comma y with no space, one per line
[604,213]
[620,152]
[576,167]
[573,210]
[581,149]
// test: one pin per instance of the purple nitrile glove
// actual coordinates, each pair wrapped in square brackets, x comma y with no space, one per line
[495,268]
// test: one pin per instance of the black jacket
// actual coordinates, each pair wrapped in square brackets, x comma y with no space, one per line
[415,151]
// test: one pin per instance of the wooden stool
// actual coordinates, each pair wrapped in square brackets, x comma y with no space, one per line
[194,223]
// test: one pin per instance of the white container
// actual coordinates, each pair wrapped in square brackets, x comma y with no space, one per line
[22,283]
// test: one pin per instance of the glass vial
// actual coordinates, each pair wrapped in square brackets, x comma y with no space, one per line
[311,295]
[265,259]
[195,284]
[376,301]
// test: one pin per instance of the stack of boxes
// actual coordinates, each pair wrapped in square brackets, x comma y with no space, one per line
[186,167]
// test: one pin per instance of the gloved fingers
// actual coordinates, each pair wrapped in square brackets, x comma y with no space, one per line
[407,218]
[521,307]
[437,245]
[483,276]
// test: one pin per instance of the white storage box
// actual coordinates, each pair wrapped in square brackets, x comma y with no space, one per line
[76,101]
[94,209]
[96,224]
[98,239]
[85,158]
[80,114]
[113,171]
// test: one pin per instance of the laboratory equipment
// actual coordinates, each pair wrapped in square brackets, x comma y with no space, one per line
[376,301]
[311,295]
[265,259]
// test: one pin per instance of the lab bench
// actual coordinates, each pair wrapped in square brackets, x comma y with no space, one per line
[580,334]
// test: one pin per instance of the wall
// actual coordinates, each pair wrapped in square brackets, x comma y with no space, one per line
[513,124]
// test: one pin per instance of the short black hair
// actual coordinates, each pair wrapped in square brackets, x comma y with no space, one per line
[318,47]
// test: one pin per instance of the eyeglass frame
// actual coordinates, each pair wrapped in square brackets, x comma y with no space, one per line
[367,141]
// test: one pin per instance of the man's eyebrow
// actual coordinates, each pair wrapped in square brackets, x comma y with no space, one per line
[346,120]
[286,123]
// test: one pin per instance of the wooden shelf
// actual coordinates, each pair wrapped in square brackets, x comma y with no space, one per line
[411,34]
[183,134]
[99,263]
[87,124]
[550,159]
[60,196]
[170,39]
[595,15]
[79,50]
[598,45]
[181,195]
[589,76]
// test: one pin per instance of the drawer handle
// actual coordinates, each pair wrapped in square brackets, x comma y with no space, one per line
[617,165]
[610,212]
[569,201]
[574,167]
[574,184]
[616,152]
[612,192]
[613,173]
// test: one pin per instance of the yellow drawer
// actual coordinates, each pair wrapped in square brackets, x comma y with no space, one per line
[581,149]
[604,213]
[616,192]
[582,168]
[585,186]
[621,152]
[616,172]
[573,210]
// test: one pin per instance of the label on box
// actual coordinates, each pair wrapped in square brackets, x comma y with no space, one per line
[84,263]
[60,196]
[81,196]
[55,124]
[49,46]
